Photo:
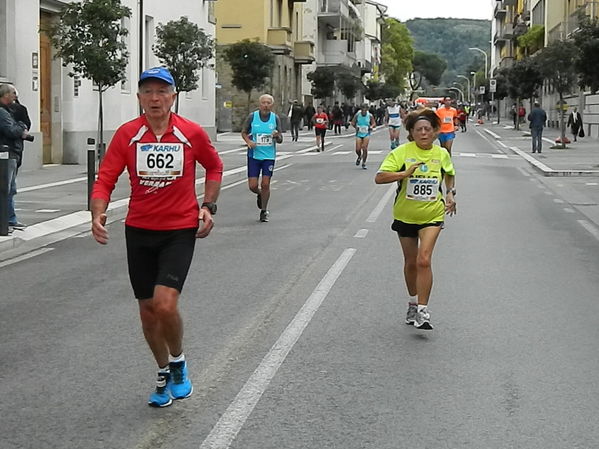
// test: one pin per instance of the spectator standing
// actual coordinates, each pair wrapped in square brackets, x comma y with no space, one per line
[537,119]
[575,123]
[12,133]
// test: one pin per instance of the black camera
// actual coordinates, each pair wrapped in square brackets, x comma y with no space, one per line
[29,138]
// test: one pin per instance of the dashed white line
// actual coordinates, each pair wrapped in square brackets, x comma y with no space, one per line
[361,234]
[228,426]
[381,204]
[569,210]
[589,227]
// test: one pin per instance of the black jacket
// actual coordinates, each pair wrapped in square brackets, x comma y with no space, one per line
[11,132]
[20,114]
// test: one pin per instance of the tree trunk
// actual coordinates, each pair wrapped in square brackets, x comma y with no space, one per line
[518,114]
[177,103]
[249,100]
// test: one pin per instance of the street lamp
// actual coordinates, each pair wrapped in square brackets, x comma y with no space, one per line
[459,90]
[469,89]
[486,59]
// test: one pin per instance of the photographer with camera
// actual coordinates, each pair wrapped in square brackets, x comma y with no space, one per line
[12,134]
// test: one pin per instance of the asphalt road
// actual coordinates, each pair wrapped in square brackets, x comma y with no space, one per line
[294,328]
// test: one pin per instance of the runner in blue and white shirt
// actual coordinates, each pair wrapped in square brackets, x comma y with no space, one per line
[394,115]
[364,123]
[261,132]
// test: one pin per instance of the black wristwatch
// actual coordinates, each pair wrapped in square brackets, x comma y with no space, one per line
[210,206]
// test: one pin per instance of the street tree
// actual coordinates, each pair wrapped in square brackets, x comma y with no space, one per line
[430,65]
[586,39]
[557,66]
[251,63]
[323,82]
[396,53]
[183,48]
[88,38]
[523,79]
[375,90]
[348,83]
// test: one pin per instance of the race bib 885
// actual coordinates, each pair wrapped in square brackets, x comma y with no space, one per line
[422,189]
[160,160]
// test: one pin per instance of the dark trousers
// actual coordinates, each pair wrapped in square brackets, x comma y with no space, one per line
[295,130]
[537,139]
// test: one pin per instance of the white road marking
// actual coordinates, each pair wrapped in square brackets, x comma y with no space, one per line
[467,154]
[381,204]
[343,152]
[51,184]
[589,227]
[569,210]
[233,150]
[499,156]
[30,255]
[228,426]
[558,200]
[362,233]
[47,211]
[591,184]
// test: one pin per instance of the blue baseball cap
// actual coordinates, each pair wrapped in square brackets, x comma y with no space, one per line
[159,73]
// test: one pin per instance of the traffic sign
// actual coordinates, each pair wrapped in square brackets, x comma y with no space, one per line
[493,85]
[481,90]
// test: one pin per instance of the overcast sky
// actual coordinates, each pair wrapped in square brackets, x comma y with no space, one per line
[460,9]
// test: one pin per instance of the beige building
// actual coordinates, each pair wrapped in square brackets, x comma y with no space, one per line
[302,35]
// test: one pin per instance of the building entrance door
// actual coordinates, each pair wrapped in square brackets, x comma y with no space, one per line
[46,88]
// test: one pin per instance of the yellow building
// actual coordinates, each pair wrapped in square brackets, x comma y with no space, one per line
[275,23]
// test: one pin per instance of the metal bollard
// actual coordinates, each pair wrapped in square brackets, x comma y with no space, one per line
[4,190]
[91,169]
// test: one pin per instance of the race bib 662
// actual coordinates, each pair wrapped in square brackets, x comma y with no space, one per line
[160,160]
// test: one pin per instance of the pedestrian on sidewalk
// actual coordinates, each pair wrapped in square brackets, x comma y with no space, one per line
[295,118]
[420,168]
[160,150]
[12,134]
[575,123]
[537,119]
[261,132]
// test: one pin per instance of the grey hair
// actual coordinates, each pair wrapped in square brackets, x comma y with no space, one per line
[272,99]
[6,89]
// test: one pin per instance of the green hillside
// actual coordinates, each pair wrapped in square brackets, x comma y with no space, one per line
[450,39]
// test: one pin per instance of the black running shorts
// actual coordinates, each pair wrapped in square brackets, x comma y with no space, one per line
[158,258]
[411,229]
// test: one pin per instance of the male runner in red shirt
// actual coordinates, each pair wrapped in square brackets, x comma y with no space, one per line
[160,150]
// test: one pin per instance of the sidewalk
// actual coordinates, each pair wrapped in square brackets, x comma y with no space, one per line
[580,158]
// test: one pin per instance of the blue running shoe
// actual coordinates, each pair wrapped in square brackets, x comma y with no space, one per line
[179,385]
[161,396]
[393,145]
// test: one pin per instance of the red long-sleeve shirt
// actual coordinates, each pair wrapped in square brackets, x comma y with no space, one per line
[162,172]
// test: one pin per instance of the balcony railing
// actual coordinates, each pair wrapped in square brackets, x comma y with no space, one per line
[279,39]
[303,52]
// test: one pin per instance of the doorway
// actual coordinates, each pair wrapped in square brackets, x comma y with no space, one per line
[46,88]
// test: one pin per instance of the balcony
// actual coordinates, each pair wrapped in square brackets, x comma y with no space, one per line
[331,12]
[303,52]
[279,40]
[510,2]
[335,53]
[500,11]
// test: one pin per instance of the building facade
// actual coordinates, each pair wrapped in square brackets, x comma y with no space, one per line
[64,110]
[559,19]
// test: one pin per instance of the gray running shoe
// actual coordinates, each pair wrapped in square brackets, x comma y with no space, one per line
[411,314]
[258,200]
[358,160]
[264,216]
[422,320]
